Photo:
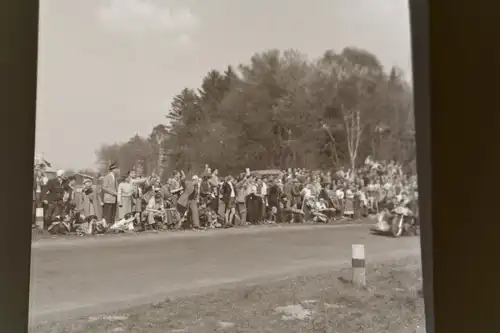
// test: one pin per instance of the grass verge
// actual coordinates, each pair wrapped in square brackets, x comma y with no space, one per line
[326,303]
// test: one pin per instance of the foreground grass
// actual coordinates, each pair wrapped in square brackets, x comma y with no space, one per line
[325,303]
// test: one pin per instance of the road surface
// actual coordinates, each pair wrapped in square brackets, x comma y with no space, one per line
[84,277]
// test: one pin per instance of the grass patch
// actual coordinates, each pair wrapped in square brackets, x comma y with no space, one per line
[326,303]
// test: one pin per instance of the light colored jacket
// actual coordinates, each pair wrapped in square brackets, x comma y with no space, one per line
[88,204]
[188,191]
[242,190]
[109,187]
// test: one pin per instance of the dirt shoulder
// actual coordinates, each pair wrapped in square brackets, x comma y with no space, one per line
[41,239]
[44,236]
[392,302]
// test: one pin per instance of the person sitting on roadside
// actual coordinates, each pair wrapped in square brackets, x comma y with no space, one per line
[318,211]
[61,225]
[90,225]
[123,225]
[155,211]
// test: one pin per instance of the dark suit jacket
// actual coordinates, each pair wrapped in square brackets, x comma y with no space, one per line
[226,191]
[53,191]
[296,188]
[275,194]
[254,205]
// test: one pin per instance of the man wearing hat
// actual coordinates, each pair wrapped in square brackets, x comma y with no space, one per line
[52,195]
[109,188]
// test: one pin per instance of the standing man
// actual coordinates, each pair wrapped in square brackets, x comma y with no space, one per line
[109,188]
[52,195]
[242,190]
[194,199]
[287,190]
[262,193]
[188,201]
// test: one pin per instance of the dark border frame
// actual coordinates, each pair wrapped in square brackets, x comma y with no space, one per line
[420,58]
[455,71]
[21,68]
[21,95]
[18,73]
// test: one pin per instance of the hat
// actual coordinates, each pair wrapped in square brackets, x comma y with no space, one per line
[60,173]
[87,180]
[195,177]
[113,166]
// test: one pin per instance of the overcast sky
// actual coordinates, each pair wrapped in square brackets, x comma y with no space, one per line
[108,69]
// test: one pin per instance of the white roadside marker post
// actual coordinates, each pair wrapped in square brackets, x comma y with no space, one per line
[39,217]
[358,265]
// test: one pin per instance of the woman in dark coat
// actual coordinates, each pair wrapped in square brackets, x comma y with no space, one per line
[275,199]
[254,205]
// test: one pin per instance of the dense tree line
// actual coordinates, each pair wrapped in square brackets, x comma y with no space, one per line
[282,110]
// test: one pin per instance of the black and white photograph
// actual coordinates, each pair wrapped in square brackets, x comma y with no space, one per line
[225,166]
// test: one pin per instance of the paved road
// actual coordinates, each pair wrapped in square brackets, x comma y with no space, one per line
[83,277]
